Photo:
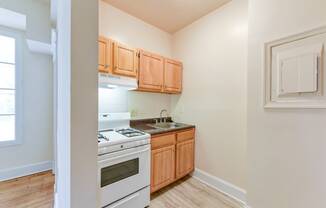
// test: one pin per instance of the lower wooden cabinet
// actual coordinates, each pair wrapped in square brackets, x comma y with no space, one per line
[185,158]
[172,157]
[163,167]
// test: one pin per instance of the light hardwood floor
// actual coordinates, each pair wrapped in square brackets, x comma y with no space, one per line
[191,193]
[36,191]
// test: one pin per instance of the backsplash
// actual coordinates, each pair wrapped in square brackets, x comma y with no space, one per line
[140,104]
[112,100]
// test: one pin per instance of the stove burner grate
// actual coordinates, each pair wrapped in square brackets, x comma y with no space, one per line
[129,132]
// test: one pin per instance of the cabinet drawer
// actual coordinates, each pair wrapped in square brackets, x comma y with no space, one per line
[163,141]
[185,135]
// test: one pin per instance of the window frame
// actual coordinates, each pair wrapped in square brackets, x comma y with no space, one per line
[18,36]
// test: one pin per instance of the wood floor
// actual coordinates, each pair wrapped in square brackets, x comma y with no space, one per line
[36,191]
[191,193]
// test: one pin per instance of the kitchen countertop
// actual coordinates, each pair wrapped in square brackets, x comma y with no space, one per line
[143,125]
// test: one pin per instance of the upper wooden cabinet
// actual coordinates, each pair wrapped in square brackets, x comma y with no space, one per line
[151,69]
[104,55]
[172,76]
[125,60]
[154,72]
[115,58]
[159,74]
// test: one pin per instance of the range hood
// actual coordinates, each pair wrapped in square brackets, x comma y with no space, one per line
[113,81]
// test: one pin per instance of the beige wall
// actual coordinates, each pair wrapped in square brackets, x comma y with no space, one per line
[37,90]
[84,183]
[286,148]
[129,30]
[213,51]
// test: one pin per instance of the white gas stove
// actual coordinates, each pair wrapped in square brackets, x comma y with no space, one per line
[124,163]
[119,139]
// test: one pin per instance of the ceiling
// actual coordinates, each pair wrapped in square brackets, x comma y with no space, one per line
[168,15]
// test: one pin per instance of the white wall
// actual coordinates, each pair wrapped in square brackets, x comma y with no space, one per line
[122,27]
[37,91]
[286,148]
[213,51]
[77,183]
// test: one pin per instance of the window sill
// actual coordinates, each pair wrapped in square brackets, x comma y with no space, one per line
[10,143]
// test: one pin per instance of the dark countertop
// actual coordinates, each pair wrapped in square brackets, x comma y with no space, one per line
[143,125]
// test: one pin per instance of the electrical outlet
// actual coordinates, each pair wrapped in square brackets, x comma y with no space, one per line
[134,113]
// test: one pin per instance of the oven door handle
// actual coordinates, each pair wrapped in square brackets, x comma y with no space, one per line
[125,200]
[125,155]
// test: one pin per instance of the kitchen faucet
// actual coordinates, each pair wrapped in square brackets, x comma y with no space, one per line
[161,118]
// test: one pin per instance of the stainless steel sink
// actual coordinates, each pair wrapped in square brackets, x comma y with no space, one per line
[166,125]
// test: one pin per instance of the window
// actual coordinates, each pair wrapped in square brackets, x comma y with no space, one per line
[8,94]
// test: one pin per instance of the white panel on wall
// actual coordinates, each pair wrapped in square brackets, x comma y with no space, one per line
[294,71]
[299,74]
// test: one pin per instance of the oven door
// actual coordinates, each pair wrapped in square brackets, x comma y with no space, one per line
[123,173]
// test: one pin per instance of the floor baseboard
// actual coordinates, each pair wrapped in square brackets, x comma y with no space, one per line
[25,170]
[221,185]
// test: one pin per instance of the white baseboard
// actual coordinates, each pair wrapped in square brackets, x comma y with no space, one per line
[55,200]
[225,187]
[12,173]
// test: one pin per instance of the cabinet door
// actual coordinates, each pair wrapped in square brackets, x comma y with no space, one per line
[163,167]
[172,76]
[185,158]
[125,60]
[104,55]
[150,71]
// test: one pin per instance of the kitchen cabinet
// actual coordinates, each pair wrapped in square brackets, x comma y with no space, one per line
[117,59]
[172,76]
[104,55]
[185,152]
[184,158]
[125,60]
[159,74]
[154,72]
[172,157]
[163,167]
[151,69]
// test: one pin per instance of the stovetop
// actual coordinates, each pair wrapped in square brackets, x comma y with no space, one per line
[116,140]
[120,135]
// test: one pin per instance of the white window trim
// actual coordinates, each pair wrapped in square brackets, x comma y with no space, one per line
[19,99]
